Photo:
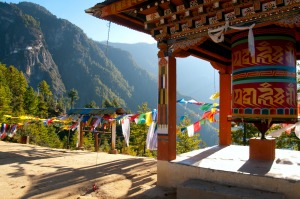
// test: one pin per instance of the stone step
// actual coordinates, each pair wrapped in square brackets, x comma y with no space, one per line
[196,188]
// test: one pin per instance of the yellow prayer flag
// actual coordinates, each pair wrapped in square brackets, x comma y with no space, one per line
[148,118]
[215,104]
[214,96]
[89,121]
[213,110]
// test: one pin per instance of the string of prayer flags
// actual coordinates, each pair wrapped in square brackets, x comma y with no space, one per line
[74,126]
[89,121]
[215,107]
[277,133]
[192,101]
[85,118]
[154,115]
[297,129]
[182,118]
[215,96]
[96,122]
[13,130]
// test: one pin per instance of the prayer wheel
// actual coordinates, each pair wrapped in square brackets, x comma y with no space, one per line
[264,86]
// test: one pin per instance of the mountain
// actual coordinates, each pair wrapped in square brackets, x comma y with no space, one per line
[196,78]
[23,45]
[47,48]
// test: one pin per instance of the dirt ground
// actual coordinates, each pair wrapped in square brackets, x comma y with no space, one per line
[29,171]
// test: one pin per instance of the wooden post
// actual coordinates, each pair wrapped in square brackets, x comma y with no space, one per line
[113,138]
[96,142]
[80,129]
[166,149]
[225,108]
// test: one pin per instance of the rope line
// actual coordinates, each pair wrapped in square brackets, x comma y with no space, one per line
[107,38]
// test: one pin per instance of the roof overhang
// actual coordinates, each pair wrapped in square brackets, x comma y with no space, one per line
[184,24]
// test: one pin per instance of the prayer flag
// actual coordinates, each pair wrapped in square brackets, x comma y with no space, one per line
[154,115]
[141,119]
[132,118]
[193,128]
[126,130]
[148,118]
[151,141]
[205,106]
[214,96]
[192,101]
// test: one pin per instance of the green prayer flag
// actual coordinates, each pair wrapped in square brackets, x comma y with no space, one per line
[202,121]
[205,106]
[142,119]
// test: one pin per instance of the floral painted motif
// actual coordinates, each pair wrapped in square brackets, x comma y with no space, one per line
[230,16]
[248,11]
[269,6]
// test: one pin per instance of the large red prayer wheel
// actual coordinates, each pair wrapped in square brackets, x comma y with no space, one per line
[264,85]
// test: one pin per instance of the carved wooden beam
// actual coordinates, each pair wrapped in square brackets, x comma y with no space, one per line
[118,7]
[181,53]
[130,19]
[210,53]
[221,68]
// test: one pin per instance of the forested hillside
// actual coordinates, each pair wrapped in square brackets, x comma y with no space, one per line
[45,47]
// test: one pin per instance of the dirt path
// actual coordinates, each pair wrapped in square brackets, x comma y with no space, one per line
[29,171]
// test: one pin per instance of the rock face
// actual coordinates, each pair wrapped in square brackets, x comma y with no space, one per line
[23,45]
[47,48]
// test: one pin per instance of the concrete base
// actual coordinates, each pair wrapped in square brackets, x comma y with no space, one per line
[24,139]
[204,189]
[262,149]
[113,151]
[230,166]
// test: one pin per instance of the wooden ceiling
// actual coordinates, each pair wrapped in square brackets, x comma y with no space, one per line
[184,24]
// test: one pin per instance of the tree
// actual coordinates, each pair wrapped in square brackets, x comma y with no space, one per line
[30,102]
[184,143]
[138,134]
[92,104]
[17,84]
[238,133]
[5,93]
[44,90]
[113,103]
[73,95]
[42,107]
[288,141]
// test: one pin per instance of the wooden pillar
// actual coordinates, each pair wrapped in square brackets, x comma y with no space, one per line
[166,149]
[80,129]
[96,141]
[225,108]
[113,138]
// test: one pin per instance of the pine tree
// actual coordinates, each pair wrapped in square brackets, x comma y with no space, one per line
[30,102]
[17,84]
[73,95]
[92,104]
[184,143]
[238,131]
[138,135]
[5,93]
[42,107]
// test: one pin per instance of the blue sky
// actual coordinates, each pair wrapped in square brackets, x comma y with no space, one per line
[96,29]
